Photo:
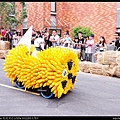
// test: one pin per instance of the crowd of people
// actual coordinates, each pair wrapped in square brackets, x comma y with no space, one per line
[43,40]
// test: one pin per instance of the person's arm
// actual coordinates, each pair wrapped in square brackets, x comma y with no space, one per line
[90,43]
[105,46]
[116,42]
[51,39]
[57,38]
[78,46]
[10,36]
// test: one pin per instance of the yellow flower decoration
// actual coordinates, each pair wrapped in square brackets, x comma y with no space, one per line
[54,67]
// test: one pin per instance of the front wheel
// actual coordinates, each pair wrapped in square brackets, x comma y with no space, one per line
[46,92]
[19,84]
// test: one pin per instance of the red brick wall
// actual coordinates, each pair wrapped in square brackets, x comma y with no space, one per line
[99,16]
[18,9]
[35,14]
[46,14]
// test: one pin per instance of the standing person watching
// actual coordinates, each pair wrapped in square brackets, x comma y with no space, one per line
[62,39]
[117,41]
[39,41]
[19,35]
[54,38]
[116,36]
[3,32]
[82,49]
[15,40]
[8,35]
[46,38]
[89,50]
[67,41]
[76,46]
[102,46]
[33,36]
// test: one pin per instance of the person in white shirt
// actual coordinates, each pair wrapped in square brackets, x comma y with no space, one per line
[15,40]
[39,43]
[89,48]
[54,38]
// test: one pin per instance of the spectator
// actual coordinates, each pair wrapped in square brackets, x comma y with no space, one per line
[8,36]
[82,49]
[3,32]
[89,49]
[67,41]
[76,46]
[116,36]
[33,36]
[117,42]
[38,34]
[62,39]
[39,43]
[46,38]
[19,35]
[15,40]
[54,38]
[101,45]
[86,38]
[16,37]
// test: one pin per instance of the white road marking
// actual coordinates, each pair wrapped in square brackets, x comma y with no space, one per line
[23,90]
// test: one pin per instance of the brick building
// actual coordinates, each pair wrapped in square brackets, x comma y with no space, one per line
[101,17]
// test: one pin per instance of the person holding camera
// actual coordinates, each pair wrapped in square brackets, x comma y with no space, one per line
[76,46]
[101,46]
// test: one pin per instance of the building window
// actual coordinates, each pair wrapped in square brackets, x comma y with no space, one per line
[24,24]
[53,6]
[53,21]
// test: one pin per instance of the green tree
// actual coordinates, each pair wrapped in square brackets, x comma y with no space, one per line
[85,30]
[9,17]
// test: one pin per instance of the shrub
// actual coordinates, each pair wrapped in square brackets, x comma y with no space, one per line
[85,30]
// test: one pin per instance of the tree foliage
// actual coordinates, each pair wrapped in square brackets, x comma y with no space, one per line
[9,17]
[85,30]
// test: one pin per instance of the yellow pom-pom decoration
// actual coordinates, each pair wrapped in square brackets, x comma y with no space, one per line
[54,67]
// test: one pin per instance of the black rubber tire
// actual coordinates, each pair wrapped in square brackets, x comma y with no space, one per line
[19,84]
[46,94]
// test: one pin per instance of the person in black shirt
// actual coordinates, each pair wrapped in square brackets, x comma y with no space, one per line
[82,49]
[46,39]
[117,41]
[33,36]
[117,44]
[8,36]
[76,46]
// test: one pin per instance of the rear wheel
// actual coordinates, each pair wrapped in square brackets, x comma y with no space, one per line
[46,92]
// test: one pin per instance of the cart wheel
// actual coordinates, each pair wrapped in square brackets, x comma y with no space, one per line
[19,84]
[46,92]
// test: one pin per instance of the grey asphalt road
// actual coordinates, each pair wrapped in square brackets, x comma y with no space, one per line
[93,95]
